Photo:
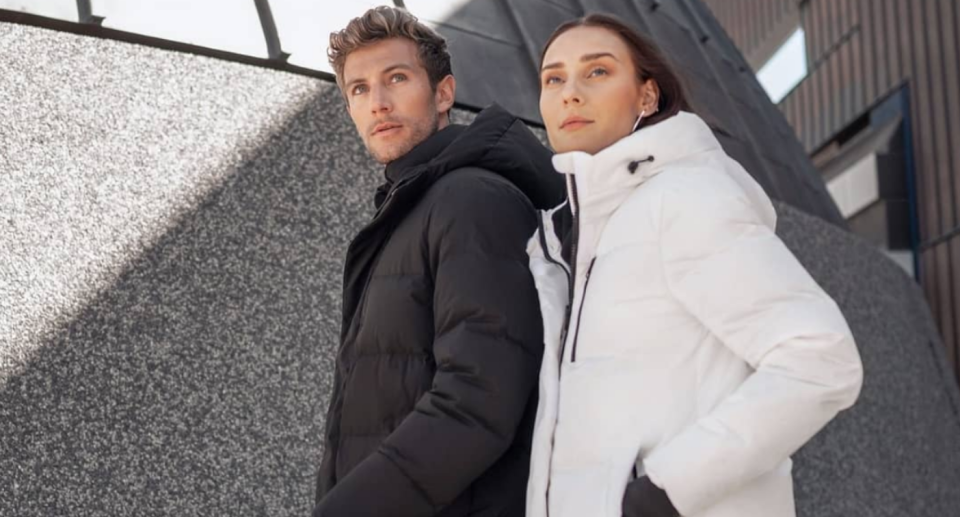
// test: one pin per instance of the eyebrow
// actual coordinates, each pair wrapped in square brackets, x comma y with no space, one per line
[583,59]
[399,66]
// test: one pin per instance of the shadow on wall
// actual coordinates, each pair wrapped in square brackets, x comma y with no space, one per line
[197,384]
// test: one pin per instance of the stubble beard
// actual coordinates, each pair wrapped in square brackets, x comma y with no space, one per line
[420,130]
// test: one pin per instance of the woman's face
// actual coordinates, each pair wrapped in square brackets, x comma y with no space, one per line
[590,94]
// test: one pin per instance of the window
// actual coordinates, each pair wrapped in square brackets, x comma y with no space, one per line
[786,68]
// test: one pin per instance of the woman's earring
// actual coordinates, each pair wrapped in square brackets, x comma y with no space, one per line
[637,123]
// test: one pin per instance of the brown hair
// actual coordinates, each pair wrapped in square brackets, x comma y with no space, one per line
[382,23]
[647,59]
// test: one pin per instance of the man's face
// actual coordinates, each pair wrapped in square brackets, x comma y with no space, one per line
[390,99]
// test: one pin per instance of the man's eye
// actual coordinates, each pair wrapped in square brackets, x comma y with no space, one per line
[360,88]
[396,78]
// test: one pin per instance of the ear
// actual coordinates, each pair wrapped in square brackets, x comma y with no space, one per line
[649,98]
[446,93]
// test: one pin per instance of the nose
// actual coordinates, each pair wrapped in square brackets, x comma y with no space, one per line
[571,92]
[380,101]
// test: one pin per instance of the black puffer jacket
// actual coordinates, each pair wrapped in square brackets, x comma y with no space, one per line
[435,395]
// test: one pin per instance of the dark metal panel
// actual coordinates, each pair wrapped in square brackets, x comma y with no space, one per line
[475,58]
[536,20]
[489,19]
[684,51]
[576,10]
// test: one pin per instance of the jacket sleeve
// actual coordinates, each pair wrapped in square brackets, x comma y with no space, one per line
[732,273]
[488,345]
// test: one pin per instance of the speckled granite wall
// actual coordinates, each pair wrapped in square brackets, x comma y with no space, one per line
[171,235]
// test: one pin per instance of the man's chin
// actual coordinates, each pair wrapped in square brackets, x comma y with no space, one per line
[388,153]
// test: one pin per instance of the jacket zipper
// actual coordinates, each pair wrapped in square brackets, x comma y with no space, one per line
[574,247]
[341,354]
[583,298]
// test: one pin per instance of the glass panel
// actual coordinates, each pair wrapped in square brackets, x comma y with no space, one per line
[59,9]
[221,24]
[305,27]
[786,68]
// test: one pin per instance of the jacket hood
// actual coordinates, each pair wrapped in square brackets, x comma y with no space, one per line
[496,141]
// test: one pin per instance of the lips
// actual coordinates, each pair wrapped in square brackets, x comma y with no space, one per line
[384,126]
[575,122]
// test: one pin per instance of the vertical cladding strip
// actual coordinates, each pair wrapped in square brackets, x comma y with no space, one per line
[923,117]
[946,315]
[951,67]
[912,43]
[814,21]
[856,63]
[885,44]
[897,67]
[949,86]
[939,108]
[847,62]
[833,62]
[954,352]
[806,114]
[809,84]
[868,61]
[902,27]
[823,69]
[940,158]
[928,279]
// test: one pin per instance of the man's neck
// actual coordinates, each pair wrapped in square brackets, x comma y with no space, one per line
[422,153]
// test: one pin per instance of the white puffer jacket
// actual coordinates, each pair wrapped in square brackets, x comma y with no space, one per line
[699,351]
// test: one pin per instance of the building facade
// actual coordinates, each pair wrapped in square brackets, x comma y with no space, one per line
[878,111]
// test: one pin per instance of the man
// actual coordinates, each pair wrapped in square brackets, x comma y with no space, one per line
[441,338]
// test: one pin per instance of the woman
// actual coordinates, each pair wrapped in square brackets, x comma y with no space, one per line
[693,354]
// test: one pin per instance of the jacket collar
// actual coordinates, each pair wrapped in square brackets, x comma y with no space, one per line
[422,153]
[604,180]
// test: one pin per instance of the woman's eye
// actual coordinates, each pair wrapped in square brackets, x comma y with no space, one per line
[551,80]
[598,72]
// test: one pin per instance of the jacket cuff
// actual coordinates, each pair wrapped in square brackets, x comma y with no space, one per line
[644,499]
